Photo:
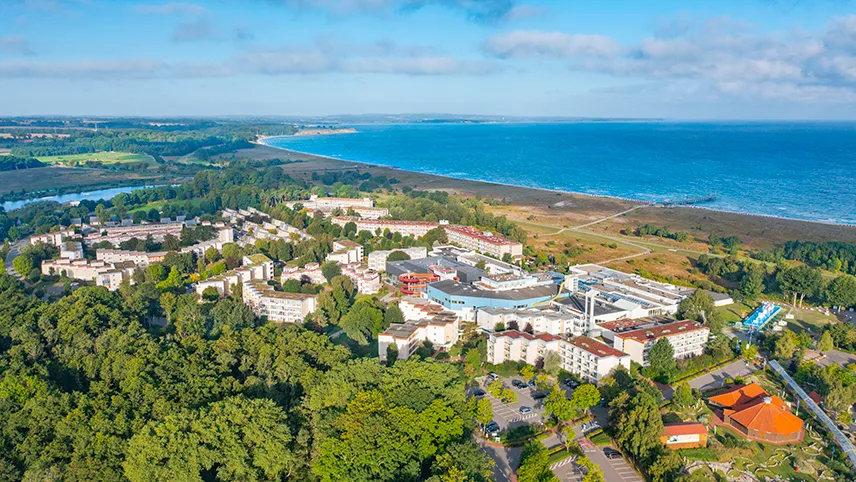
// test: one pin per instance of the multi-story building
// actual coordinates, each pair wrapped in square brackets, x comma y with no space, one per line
[346,252]
[377,259]
[312,272]
[541,320]
[71,250]
[583,356]
[688,338]
[518,346]
[109,275]
[277,306]
[417,229]
[441,331]
[117,234]
[140,258]
[483,241]
[591,359]
[255,267]
[225,234]
[54,239]
[327,205]
[366,280]
[414,308]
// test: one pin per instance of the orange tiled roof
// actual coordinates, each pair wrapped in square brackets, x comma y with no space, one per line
[739,395]
[684,428]
[768,415]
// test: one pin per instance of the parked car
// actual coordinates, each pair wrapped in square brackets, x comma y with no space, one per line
[518,383]
[492,428]
[532,382]
[525,410]
[492,376]
[611,453]
[540,395]
[478,392]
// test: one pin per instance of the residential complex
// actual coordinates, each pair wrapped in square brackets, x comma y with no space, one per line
[277,306]
[117,234]
[312,272]
[517,346]
[108,275]
[688,338]
[417,229]
[327,205]
[54,239]
[377,259]
[366,281]
[256,267]
[346,252]
[441,330]
[255,225]
[140,258]
[71,250]
[483,241]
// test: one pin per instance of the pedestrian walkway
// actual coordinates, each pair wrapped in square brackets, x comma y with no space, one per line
[840,438]
[563,463]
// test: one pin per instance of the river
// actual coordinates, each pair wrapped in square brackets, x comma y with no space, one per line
[75,196]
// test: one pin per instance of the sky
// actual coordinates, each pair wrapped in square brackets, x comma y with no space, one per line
[690,59]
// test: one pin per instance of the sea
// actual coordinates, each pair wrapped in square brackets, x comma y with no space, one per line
[799,170]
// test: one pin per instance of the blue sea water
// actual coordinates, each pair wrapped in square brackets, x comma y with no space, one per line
[794,170]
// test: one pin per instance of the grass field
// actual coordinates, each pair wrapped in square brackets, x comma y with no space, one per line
[67,179]
[104,157]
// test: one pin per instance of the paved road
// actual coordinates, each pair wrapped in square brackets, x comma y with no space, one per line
[506,460]
[835,357]
[716,378]
[14,250]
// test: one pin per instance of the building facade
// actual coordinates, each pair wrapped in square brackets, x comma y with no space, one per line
[346,252]
[277,306]
[377,259]
[441,331]
[417,229]
[688,338]
[312,272]
[483,241]
[255,267]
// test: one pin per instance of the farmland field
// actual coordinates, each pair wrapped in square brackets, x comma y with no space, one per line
[104,157]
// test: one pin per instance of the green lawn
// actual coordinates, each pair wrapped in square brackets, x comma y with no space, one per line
[805,319]
[736,311]
[105,157]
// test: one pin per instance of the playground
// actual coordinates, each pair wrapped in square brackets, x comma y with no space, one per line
[761,316]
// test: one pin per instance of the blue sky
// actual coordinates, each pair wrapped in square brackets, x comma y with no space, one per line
[700,59]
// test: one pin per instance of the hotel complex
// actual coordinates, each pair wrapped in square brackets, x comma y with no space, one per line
[483,241]
[417,229]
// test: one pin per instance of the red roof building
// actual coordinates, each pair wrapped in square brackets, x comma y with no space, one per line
[750,410]
[684,435]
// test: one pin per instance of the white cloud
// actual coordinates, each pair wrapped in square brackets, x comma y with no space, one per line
[532,43]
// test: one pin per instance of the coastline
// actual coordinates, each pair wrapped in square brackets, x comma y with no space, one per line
[639,202]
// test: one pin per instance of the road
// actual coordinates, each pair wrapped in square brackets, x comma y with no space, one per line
[716,378]
[14,250]
[835,357]
[614,470]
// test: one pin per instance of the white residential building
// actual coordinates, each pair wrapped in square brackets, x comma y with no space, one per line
[225,234]
[109,275]
[442,331]
[517,346]
[277,306]
[688,338]
[312,271]
[583,356]
[346,252]
[417,229]
[591,359]
[139,258]
[54,239]
[71,250]
[256,267]
[366,280]
[483,241]
[326,205]
[542,320]
[414,308]
[117,234]
[377,259]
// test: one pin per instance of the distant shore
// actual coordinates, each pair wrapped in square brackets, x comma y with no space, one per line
[310,132]
[263,142]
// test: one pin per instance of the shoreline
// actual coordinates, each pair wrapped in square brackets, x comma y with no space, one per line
[640,202]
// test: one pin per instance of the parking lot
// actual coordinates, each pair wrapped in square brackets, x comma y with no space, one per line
[508,416]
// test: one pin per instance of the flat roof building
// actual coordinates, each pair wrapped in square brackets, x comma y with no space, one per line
[684,435]
[377,259]
[441,330]
[277,306]
[255,267]
[467,299]
[462,272]
[483,241]
[417,229]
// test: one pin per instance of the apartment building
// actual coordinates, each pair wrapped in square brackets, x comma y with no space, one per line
[327,205]
[541,320]
[687,337]
[517,346]
[255,267]
[583,356]
[346,252]
[225,234]
[277,306]
[377,259]
[441,330]
[54,239]
[414,308]
[139,258]
[483,241]
[71,250]
[117,234]
[312,272]
[109,275]
[366,280]
[590,359]
[417,229]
